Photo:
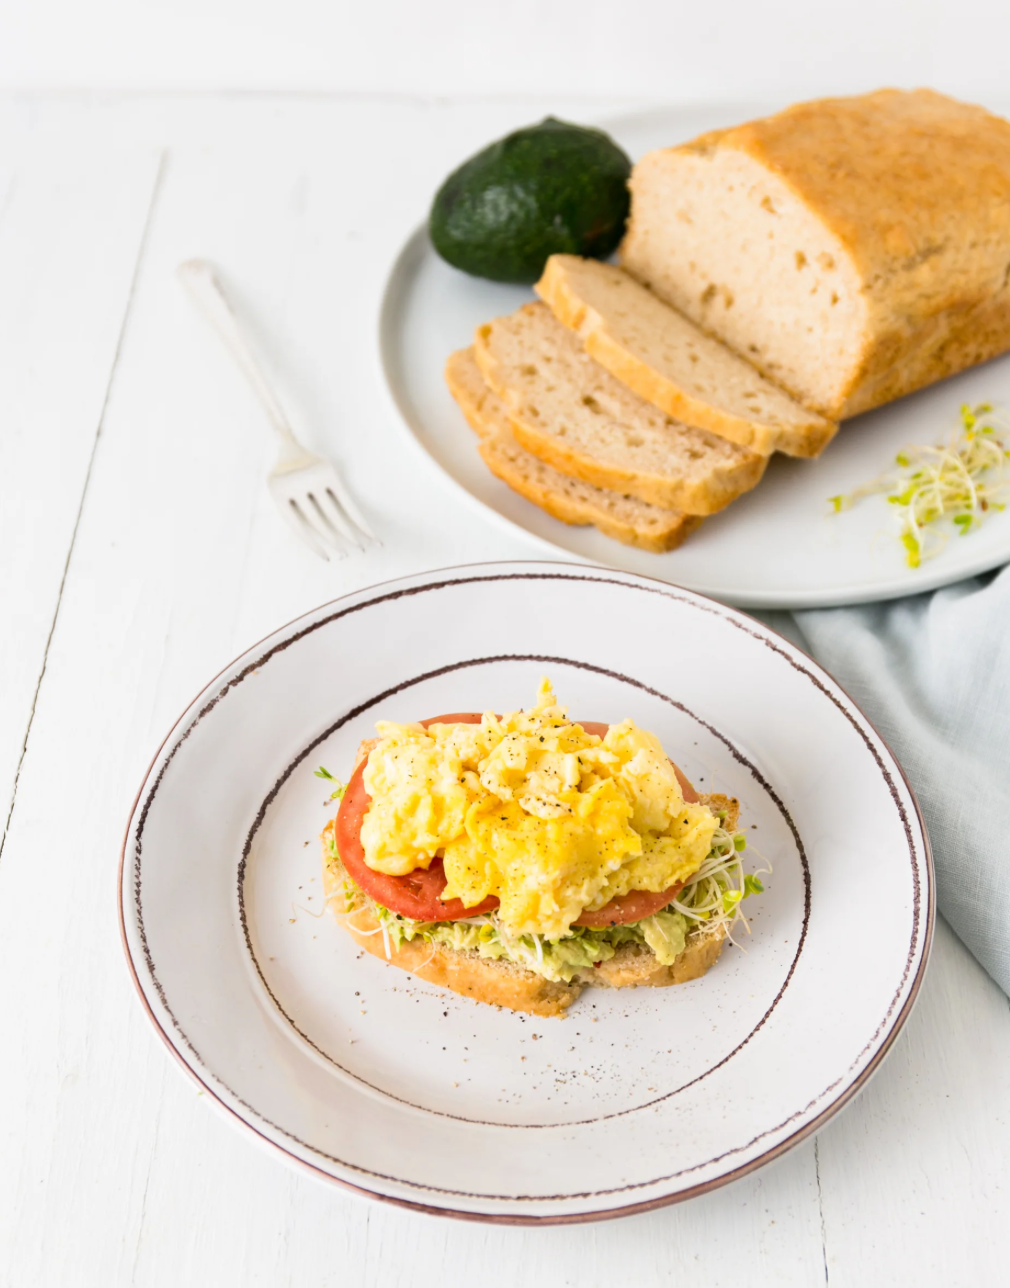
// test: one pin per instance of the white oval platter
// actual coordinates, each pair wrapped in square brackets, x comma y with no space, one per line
[779,546]
[405,1092]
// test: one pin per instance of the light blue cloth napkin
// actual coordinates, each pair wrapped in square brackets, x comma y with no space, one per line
[933,674]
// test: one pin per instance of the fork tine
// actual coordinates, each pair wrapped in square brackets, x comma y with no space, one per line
[344,501]
[333,516]
[322,528]
[321,542]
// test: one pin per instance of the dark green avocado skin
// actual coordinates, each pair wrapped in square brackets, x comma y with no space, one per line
[547,189]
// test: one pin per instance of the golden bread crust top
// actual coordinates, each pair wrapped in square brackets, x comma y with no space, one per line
[910,181]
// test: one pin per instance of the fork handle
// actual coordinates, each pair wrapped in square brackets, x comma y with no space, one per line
[199,278]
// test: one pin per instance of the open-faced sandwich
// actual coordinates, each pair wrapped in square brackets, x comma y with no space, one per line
[518,858]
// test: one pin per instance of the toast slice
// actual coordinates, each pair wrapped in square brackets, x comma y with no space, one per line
[674,365]
[634,522]
[574,415]
[500,982]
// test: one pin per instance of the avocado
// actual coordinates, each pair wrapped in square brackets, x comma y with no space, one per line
[547,189]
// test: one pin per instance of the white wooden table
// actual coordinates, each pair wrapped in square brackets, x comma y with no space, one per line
[139,552]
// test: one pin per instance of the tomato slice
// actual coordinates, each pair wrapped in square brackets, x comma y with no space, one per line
[629,907]
[417,895]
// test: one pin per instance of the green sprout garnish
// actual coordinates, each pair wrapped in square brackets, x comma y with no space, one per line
[960,480]
[338,793]
[732,898]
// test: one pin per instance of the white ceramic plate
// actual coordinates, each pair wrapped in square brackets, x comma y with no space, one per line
[409,1093]
[777,547]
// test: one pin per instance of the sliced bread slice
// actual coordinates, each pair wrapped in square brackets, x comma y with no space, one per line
[625,518]
[664,357]
[500,982]
[573,414]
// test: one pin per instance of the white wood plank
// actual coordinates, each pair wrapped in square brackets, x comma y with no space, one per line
[723,48]
[249,1220]
[70,232]
[916,1176]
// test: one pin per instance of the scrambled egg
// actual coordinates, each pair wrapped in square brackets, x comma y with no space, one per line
[531,808]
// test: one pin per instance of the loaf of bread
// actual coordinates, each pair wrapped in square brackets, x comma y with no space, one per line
[633,522]
[672,363]
[573,414]
[853,249]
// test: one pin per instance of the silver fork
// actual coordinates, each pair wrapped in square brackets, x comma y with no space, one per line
[307,490]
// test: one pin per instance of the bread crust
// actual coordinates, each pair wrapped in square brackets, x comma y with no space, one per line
[807,439]
[503,983]
[635,965]
[482,408]
[915,187]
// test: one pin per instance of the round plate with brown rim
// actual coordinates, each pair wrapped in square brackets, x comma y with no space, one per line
[408,1093]
[778,546]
